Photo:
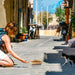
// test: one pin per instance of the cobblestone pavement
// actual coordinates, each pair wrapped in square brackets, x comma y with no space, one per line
[47,49]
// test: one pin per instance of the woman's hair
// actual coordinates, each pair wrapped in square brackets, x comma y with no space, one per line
[3,48]
[11,28]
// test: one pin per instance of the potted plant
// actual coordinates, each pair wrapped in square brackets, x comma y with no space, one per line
[24,32]
[21,36]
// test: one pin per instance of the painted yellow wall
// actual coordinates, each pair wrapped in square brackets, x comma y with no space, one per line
[2,15]
[7,13]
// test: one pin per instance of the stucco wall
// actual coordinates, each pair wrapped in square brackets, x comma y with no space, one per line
[6,12]
[9,12]
[2,15]
[48,33]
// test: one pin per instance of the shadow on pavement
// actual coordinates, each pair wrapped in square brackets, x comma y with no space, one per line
[60,47]
[54,58]
[59,40]
[57,73]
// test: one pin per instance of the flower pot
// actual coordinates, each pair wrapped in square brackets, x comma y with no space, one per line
[22,37]
[26,37]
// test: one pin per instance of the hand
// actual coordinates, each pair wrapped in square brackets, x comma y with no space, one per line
[24,61]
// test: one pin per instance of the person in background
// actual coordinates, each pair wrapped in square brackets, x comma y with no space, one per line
[5,46]
[71,42]
[58,31]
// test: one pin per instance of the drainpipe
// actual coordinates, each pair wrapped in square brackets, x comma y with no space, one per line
[67,18]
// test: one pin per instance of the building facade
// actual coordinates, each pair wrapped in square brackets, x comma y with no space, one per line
[15,10]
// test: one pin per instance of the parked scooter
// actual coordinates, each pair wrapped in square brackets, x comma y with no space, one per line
[32,32]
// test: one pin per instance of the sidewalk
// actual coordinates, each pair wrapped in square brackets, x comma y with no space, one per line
[45,49]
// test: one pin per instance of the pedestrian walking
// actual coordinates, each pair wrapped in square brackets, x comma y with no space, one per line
[5,46]
[64,33]
[57,31]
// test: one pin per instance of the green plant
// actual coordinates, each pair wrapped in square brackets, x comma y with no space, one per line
[73,30]
[60,13]
[73,22]
[24,30]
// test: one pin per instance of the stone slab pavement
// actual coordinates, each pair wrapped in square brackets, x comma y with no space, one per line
[48,49]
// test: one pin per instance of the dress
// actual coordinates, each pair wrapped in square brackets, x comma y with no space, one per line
[2,32]
[2,54]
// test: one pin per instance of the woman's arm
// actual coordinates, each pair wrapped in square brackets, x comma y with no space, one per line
[6,39]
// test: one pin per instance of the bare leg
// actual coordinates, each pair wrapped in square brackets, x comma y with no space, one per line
[7,62]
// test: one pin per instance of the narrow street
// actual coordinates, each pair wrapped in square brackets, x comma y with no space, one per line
[47,49]
[28,19]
